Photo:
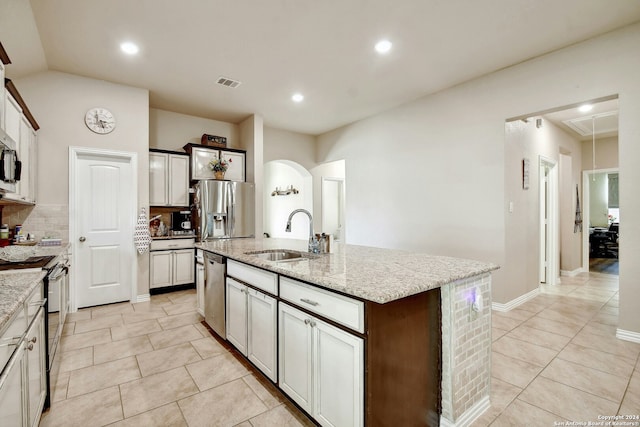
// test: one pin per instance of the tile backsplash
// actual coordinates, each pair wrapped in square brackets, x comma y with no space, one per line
[40,220]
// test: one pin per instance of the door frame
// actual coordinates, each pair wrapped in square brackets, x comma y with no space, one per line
[586,214]
[74,154]
[549,243]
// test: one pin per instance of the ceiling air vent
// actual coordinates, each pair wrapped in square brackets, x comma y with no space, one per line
[224,81]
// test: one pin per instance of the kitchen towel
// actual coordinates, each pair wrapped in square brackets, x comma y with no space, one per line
[141,236]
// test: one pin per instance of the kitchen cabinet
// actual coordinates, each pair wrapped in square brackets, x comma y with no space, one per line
[12,116]
[20,125]
[172,263]
[251,325]
[27,151]
[321,368]
[200,281]
[201,155]
[168,179]
[23,384]
[2,90]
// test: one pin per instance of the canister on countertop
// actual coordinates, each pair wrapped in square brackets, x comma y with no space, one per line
[17,230]
[4,231]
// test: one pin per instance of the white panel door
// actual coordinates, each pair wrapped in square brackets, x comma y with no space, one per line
[104,199]
[338,376]
[261,332]
[295,369]
[237,315]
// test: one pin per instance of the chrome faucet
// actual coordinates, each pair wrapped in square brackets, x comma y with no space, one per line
[313,242]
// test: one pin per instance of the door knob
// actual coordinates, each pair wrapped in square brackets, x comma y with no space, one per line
[82,239]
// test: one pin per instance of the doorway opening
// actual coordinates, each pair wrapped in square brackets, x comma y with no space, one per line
[602,214]
[333,207]
[549,252]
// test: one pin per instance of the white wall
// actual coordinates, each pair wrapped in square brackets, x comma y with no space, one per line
[429,175]
[606,154]
[171,131]
[59,102]
[285,145]
[282,174]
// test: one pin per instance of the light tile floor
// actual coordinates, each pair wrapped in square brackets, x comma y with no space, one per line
[154,364]
[555,358]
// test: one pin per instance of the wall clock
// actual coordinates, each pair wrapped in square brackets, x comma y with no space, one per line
[100,120]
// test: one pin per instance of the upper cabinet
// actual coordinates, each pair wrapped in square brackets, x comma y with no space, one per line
[19,125]
[168,178]
[201,155]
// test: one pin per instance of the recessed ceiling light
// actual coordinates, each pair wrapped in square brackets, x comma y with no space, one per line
[585,108]
[129,48]
[383,46]
[297,97]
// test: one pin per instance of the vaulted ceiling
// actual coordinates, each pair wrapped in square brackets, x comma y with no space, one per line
[321,49]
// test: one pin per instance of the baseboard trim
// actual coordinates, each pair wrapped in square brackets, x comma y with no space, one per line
[628,335]
[572,273]
[516,302]
[469,416]
[143,298]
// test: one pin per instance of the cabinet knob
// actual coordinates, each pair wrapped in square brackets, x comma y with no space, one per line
[307,321]
[33,340]
[82,238]
[30,347]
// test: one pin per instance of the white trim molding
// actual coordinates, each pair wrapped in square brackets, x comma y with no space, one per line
[469,416]
[515,302]
[628,335]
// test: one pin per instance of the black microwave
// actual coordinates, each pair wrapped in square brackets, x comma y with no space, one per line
[10,166]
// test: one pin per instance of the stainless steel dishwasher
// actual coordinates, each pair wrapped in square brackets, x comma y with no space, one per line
[214,299]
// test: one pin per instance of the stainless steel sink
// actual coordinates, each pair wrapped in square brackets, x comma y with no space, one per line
[279,254]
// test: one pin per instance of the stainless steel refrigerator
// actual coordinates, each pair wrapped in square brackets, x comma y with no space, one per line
[224,209]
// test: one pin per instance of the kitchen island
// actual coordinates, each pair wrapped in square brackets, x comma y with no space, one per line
[426,325]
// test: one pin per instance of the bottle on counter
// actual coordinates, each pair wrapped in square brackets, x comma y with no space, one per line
[4,235]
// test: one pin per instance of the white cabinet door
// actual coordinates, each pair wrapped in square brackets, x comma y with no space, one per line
[235,171]
[12,398]
[200,158]
[237,315]
[12,117]
[36,368]
[2,98]
[295,355]
[24,155]
[338,376]
[200,288]
[33,165]
[183,266]
[158,169]
[178,180]
[161,269]
[262,332]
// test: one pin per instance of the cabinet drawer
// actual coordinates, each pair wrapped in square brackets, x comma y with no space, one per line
[253,276]
[344,310]
[11,336]
[159,245]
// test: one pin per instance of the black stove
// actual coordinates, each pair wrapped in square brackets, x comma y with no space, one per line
[33,262]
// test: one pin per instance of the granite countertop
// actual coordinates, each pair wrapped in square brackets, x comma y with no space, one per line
[373,274]
[15,287]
